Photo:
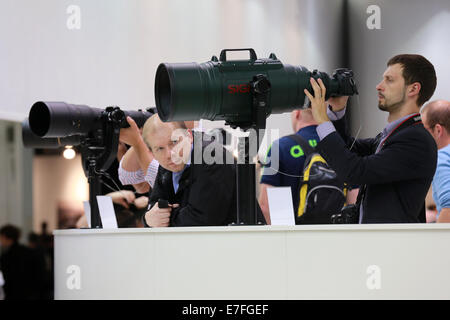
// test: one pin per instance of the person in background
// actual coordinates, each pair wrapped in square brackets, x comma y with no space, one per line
[430,207]
[436,119]
[291,158]
[40,245]
[23,269]
[2,283]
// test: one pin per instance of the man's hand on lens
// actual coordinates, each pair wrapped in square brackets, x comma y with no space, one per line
[131,135]
[318,105]
[159,217]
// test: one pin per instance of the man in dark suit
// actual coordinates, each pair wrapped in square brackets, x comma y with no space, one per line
[199,192]
[395,168]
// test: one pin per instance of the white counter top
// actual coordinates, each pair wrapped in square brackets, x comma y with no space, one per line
[335,227]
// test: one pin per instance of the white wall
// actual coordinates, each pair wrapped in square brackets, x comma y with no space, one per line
[15,182]
[407,26]
[112,58]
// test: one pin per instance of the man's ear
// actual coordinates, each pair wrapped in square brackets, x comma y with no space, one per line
[439,129]
[414,89]
[190,135]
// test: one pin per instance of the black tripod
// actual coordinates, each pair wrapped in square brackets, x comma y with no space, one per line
[245,170]
[98,151]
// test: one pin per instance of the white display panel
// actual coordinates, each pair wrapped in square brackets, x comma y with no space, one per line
[261,262]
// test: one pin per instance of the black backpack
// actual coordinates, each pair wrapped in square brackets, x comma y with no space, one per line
[321,193]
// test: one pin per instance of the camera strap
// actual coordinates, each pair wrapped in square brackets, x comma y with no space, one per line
[410,121]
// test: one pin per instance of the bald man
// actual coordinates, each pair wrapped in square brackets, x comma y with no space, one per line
[138,167]
[199,194]
[436,119]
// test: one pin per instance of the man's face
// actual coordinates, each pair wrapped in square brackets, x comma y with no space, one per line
[171,147]
[5,242]
[392,89]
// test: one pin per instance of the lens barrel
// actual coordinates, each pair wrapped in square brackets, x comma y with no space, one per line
[60,119]
[30,140]
[221,89]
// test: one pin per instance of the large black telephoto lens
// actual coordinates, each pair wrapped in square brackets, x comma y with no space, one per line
[220,89]
[60,119]
[30,140]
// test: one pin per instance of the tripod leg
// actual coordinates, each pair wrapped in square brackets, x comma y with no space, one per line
[94,190]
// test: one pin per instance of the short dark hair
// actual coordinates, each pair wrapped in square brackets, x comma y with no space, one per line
[417,68]
[11,232]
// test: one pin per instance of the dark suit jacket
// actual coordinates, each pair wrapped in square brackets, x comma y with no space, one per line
[24,272]
[397,177]
[206,193]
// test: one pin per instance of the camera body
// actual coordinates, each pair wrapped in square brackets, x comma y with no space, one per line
[348,215]
[162,203]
